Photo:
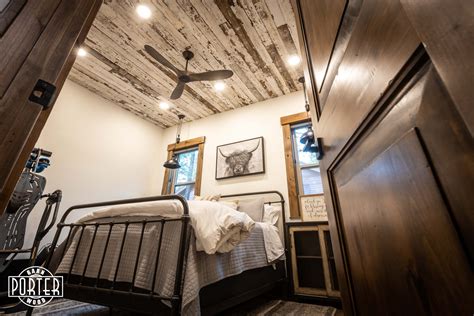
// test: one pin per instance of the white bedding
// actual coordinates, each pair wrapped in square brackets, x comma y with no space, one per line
[218,228]
[273,245]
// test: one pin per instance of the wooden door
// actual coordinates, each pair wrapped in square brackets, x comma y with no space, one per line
[38,39]
[391,92]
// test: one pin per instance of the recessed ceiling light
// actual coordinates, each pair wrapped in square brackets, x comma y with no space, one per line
[143,11]
[294,60]
[219,86]
[81,52]
[164,105]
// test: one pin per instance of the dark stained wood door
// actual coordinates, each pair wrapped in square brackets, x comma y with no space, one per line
[38,39]
[398,168]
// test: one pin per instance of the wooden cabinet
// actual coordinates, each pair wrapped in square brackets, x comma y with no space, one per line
[312,260]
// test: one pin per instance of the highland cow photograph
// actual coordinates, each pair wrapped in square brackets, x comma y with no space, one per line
[240,158]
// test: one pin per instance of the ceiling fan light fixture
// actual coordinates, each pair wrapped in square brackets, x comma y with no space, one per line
[164,105]
[143,11]
[219,86]
[184,76]
[294,60]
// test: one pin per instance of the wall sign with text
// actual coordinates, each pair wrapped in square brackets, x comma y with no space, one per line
[313,208]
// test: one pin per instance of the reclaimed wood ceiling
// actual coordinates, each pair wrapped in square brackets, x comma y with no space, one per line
[253,38]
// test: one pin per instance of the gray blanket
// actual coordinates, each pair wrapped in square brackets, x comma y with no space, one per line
[201,269]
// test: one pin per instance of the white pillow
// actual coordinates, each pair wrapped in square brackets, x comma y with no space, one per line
[271,214]
[207,197]
[253,208]
[232,204]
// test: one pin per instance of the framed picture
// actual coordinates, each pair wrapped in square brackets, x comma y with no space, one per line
[313,208]
[241,158]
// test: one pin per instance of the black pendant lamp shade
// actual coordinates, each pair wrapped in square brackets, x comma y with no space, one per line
[173,163]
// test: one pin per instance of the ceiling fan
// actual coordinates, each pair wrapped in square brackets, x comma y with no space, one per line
[184,76]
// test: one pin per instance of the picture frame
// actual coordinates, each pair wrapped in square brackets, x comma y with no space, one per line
[241,158]
[313,208]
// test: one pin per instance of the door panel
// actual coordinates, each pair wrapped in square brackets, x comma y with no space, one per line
[372,59]
[398,165]
[450,148]
[9,9]
[21,36]
[320,38]
[404,251]
[448,35]
[351,13]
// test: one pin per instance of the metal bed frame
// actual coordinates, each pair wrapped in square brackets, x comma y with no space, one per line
[114,294]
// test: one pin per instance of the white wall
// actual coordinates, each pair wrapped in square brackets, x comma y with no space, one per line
[100,151]
[260,119]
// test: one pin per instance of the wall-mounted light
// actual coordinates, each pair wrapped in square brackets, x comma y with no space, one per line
[219,86]
[143,11]
[294,60]
[81,52]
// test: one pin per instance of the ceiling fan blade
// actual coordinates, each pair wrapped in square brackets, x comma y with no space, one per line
[211,75]
[162,60]
[178,91]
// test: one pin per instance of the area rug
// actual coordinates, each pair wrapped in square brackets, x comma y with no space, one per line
[68,307]
[280,308]
[257,308]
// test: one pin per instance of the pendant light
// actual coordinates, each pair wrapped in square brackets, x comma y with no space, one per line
[311,143]
[173,163]
[307,138]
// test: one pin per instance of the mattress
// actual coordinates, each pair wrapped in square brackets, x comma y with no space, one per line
[201,269]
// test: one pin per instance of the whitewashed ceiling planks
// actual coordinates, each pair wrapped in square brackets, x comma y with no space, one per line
[253,38]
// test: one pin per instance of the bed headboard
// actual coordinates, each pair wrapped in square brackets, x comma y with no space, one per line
[271,197]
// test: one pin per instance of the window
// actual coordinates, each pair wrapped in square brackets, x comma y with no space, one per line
[183,180]
[186,180]
[302,168]
[306,165]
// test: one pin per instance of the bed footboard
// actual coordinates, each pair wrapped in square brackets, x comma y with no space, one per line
[114,293]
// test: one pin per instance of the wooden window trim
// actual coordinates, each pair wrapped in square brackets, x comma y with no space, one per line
[295,118]
[291,180]
[189,143]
